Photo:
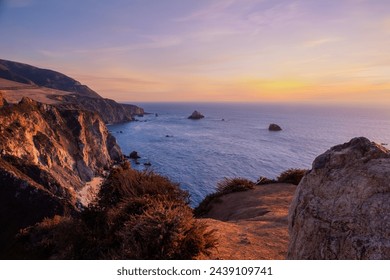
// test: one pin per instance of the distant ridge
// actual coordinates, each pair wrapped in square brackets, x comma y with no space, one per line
[28,74]
[19,80]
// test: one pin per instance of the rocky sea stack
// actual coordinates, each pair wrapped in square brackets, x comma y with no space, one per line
[274,127]
[341,208]
[196,116]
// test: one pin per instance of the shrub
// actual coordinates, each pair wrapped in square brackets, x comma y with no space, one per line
[164,231]
[292,176]
[125,182]
[138,215]
[56,238]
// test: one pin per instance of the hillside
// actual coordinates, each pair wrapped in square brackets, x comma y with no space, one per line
[18,80]
[30,75]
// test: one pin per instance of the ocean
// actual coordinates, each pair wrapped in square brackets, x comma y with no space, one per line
[233,139]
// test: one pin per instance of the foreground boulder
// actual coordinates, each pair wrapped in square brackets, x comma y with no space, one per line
[341,209]
[196,116]
[274,127]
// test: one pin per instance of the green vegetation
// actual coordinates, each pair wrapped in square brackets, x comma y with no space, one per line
[138,215]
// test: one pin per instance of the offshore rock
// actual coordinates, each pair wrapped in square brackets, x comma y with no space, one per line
[196,116]
[341,208]
[274,127]
[134,155]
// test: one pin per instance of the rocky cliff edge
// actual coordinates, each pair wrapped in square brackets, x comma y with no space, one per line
[47,155]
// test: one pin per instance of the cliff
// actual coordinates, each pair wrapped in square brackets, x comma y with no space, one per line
[109,110]
[47,155]
[18,80]
[341,208]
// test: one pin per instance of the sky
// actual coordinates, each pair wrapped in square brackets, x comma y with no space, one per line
[303,51]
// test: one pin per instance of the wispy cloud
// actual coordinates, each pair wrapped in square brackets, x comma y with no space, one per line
[276,13]
[151,42]
[118,80]
[212,11]
[321,41]
[246,16]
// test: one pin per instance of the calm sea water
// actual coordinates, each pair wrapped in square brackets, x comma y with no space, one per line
[233,139]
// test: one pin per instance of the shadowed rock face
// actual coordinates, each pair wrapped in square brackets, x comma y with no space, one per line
[341,209]
[23,202]
[109,110]
[47,154]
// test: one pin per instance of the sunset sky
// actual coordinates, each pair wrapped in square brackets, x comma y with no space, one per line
[208,50]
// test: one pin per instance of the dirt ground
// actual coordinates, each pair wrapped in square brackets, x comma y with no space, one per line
[252,225]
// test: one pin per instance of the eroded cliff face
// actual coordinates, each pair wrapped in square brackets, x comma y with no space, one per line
[47,154]
[341,209]
[109,110]
[60,141]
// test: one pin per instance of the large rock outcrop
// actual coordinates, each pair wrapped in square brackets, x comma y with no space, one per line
[47,155]
[341,209]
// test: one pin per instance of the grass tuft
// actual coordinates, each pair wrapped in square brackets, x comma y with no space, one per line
[292,176]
